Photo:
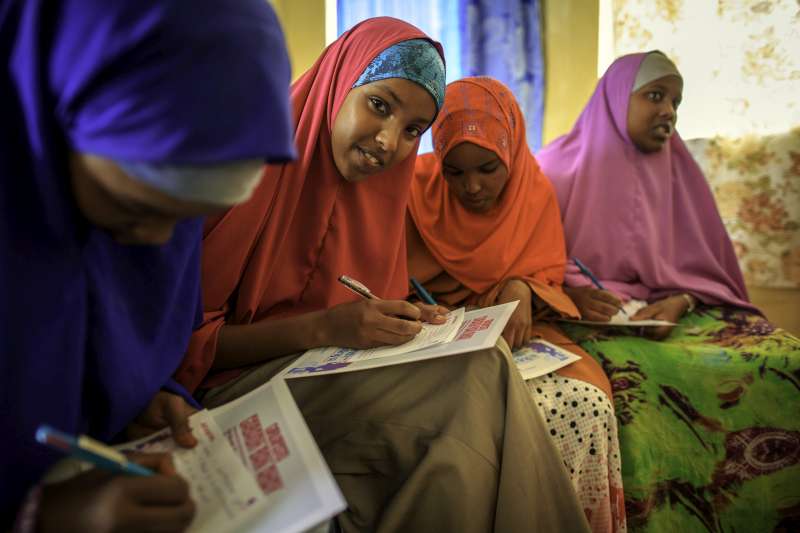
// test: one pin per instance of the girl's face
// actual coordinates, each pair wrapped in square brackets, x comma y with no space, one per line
[378,125]
[475,175]
[653,112]
[134,213]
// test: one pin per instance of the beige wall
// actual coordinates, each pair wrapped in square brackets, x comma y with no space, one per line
[570,46]
[303,24]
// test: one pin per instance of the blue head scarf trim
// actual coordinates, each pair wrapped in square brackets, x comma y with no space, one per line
[416,60]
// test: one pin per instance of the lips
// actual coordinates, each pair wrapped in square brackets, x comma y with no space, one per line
[371,159]
[474,201]
[663,131]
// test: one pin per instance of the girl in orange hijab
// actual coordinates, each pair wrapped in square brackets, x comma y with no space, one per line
[445,445]
[484,228]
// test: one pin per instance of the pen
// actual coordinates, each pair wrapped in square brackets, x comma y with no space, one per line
[357,287]
[91,451]
[588,273]
[424,295]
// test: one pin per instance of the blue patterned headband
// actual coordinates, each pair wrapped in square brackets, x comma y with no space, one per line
[416,60]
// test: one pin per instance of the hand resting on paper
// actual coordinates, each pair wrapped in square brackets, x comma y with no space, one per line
[432,314]
[517,332]
[165,409]
[594,304]
[670,309]
[100,501]
[371,323]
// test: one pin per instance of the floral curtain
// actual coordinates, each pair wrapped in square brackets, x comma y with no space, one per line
[741,65]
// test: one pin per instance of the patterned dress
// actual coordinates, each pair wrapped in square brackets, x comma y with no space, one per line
[709,422]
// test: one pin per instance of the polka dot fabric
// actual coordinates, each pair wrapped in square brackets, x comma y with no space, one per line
[580,420]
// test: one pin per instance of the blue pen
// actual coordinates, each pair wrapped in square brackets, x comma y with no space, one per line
[588,273]
[424,295]
[91,451]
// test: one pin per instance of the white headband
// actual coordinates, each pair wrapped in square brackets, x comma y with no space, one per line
[221,184]
[655,65]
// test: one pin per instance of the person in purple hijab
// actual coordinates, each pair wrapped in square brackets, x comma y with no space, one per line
[122,123]
[636,208]
[709,431]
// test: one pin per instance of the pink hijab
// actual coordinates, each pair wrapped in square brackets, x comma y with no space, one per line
[646,224]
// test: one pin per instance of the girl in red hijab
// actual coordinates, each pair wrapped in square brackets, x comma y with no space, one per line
[446,445]
[484,228]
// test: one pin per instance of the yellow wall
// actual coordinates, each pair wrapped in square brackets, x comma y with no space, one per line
[570,45]
[303,24]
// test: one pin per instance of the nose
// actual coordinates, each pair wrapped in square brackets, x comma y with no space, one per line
[668,110]
[472,185]
[387,138]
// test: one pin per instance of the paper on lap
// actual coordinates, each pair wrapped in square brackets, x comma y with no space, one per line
[465,332]
[256,466]
[540,357]
[622,320]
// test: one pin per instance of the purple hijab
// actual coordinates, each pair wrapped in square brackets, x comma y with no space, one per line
[646,224]
[90,330]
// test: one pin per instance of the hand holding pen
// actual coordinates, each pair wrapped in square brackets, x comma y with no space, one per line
[117,496]
[596,304]
[372,321]
[431,312]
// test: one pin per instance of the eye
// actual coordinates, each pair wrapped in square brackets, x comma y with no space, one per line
[449,171]
[414,131]
[379,105]
[491,167]
[655,96]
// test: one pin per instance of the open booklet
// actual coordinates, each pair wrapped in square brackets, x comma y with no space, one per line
[623,319]
[256,466]
[540,357]
[463,332]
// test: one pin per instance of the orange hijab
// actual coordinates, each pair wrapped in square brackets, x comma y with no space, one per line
[521,237]
[280,254]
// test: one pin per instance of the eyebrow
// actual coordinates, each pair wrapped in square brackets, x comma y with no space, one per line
[489,162]
[659,87]
[399,102]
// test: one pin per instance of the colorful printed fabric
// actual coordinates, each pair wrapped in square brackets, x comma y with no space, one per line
[709,424]
[416,60]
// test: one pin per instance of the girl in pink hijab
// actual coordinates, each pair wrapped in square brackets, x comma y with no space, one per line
[636,207]
[707,409]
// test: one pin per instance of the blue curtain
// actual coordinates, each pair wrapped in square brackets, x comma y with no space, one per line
[498,38]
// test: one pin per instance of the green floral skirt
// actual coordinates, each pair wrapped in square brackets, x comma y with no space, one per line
[709,422]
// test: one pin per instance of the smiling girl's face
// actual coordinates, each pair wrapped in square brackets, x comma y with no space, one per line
[378,126]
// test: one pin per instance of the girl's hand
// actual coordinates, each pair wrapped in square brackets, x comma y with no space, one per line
[370,323]
[165,409]
[100,501]
[670,309]
[517,332]
[433,314]
[594,304]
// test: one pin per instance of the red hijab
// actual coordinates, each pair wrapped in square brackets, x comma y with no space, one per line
[280,254]
[521,236]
